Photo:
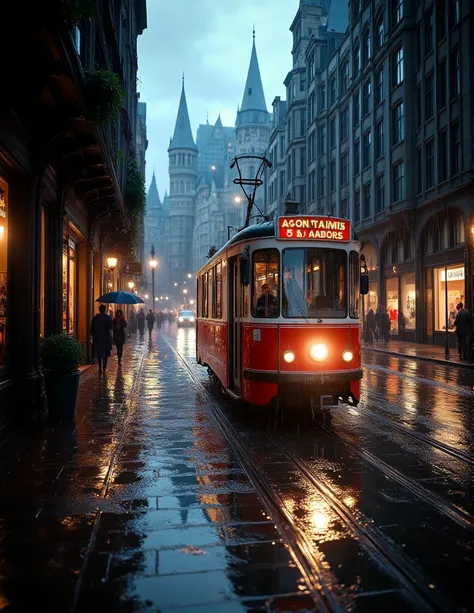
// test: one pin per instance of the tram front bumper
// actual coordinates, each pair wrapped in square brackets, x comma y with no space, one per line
[295,378]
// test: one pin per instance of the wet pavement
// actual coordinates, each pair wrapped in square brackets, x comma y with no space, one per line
[164,495]
[421,351]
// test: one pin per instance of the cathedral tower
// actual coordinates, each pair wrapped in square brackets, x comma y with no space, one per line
[182,154]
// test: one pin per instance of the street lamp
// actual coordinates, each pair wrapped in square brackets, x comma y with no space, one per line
[237,199]
[176,285]
[131,285]
[189,275]
[146,296]
[153,264]
[111,263]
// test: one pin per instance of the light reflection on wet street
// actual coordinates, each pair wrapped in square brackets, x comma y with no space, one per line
[166,496]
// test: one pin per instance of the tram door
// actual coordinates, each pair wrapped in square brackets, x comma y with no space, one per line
[235,328]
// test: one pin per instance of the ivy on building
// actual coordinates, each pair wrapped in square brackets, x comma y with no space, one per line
[134,199]
[74,11]
[104,95]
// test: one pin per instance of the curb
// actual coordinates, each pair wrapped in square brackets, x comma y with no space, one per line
[420,357]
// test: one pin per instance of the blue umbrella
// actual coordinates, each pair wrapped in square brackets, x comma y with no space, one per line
[120,298]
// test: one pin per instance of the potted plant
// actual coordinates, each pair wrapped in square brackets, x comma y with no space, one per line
[61,356]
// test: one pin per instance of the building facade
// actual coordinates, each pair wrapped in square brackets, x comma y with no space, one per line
[62,180]
[389,108]
[157,220]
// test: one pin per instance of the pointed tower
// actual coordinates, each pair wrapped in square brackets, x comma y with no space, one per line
[153,197]
[253,126]
[182,154]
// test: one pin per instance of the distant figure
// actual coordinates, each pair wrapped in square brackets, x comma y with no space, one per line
[385,326]
[463,324]
[133,323]
[267,304]
[401,324]
[160,319]
[150,321]
[101,332]
[119,333]
[369,333]
[141,322]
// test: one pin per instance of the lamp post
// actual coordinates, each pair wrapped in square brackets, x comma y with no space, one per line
[153,263]
[111,265]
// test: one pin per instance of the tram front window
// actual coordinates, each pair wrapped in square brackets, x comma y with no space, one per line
[265,295]
[314,283]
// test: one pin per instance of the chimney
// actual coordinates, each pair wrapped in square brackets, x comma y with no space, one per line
[291,207]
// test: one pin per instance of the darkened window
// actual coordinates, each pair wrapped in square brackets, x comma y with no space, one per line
[344,125]
[397,12]
[398,123]
[430,163]
[322,96]
[454,12]
[344,207]
[311,143]
[366,47]
[442,83]
[314,283]
[398,181]
[322,139]
[379,193]
[217,291]
[455,149]
[455,74]
[419,171]
[397,67]
[429,43]
[266,275]
[302,161]
[367,206]
[356,60]
[429,96]
[303,122]
[379,139]
[356,157]
[418,54]
[366,94]
[443,155]
[311,106]
[332,90]
[344,168]
[440,20]
[322,181]
[332,175]
[354,285]
[419,117]
[357,205]
[356,108]
[344,76]
[379,32]
[332,133]
[312,181]
[205,295]
[367,149]
[379,86]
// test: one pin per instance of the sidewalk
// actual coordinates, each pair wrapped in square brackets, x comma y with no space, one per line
[138,505]
[431,353]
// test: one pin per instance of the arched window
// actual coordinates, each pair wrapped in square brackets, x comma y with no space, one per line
[379,32]
[356,59]
[344,76]
[366,46]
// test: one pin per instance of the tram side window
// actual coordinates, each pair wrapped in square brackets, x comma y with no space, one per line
[217,292]
[198,297]
[354,283]
[265,287]
[205,293]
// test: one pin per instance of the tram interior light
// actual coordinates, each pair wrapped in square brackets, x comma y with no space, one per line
[289,356]
[319,352]
[347,356]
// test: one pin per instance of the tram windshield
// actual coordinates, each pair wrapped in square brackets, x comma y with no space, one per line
[314,283]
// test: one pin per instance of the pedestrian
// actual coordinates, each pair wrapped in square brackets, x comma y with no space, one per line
[150,321]
[119,333]
[101,332]
[463,325]
[141,322]
[159,319]
[401,324]
[378,323]
[369,327]
[133,322]
[385,326]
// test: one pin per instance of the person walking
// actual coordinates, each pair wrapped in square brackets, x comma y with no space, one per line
[141,322]
[463,325]
[370,327]
[101,332]
[133,322]
[119,333]
[150,321]
[385,326]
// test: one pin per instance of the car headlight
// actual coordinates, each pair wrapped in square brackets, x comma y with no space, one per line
[191,319]
[180,319]
[347,356]
[319,352]
[289,356]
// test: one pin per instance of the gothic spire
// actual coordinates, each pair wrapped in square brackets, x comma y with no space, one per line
[183,136]
[254,98]
[153,197]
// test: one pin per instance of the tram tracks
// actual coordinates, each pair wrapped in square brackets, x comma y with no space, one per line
[412,581]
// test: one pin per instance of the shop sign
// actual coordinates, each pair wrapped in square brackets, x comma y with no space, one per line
[454,274]
[305,227]
[131,268]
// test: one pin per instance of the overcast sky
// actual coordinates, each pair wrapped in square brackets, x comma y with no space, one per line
[211,41]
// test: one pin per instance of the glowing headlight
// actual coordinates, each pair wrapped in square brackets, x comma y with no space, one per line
[347,356]
[289,356]
[191,319]
[180,319]
[319,352]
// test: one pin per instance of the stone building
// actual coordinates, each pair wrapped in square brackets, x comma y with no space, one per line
[388,96]
[64,152]
[157,222]
[141,147]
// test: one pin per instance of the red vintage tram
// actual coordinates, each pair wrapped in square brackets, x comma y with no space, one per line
[278,313]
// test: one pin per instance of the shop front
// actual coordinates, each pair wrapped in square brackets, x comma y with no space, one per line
[3,273]
[400,301]
[371,300]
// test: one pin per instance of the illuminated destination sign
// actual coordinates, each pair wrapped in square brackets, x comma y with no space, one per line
[303,227]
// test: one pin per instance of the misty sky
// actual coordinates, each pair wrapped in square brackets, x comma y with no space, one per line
[211,41]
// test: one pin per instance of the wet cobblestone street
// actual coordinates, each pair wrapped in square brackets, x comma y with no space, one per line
[165,496]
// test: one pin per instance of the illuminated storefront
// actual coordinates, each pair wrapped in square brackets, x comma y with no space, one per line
[3,271]
[69,285]
[371,301]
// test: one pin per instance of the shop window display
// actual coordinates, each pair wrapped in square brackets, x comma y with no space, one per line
[69,286]
[392,303]
[408,300]
[3,272]
[448,290]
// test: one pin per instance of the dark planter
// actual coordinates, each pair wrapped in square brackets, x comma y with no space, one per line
[61,393]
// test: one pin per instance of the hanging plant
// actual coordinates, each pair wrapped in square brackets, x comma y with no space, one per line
[134,198]
[104,95]
[74,11]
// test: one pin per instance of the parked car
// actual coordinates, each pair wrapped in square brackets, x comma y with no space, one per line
[186,318]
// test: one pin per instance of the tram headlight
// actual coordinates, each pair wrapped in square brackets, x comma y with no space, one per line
[289,356]
[319,352]
[347,356]
[180,319]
